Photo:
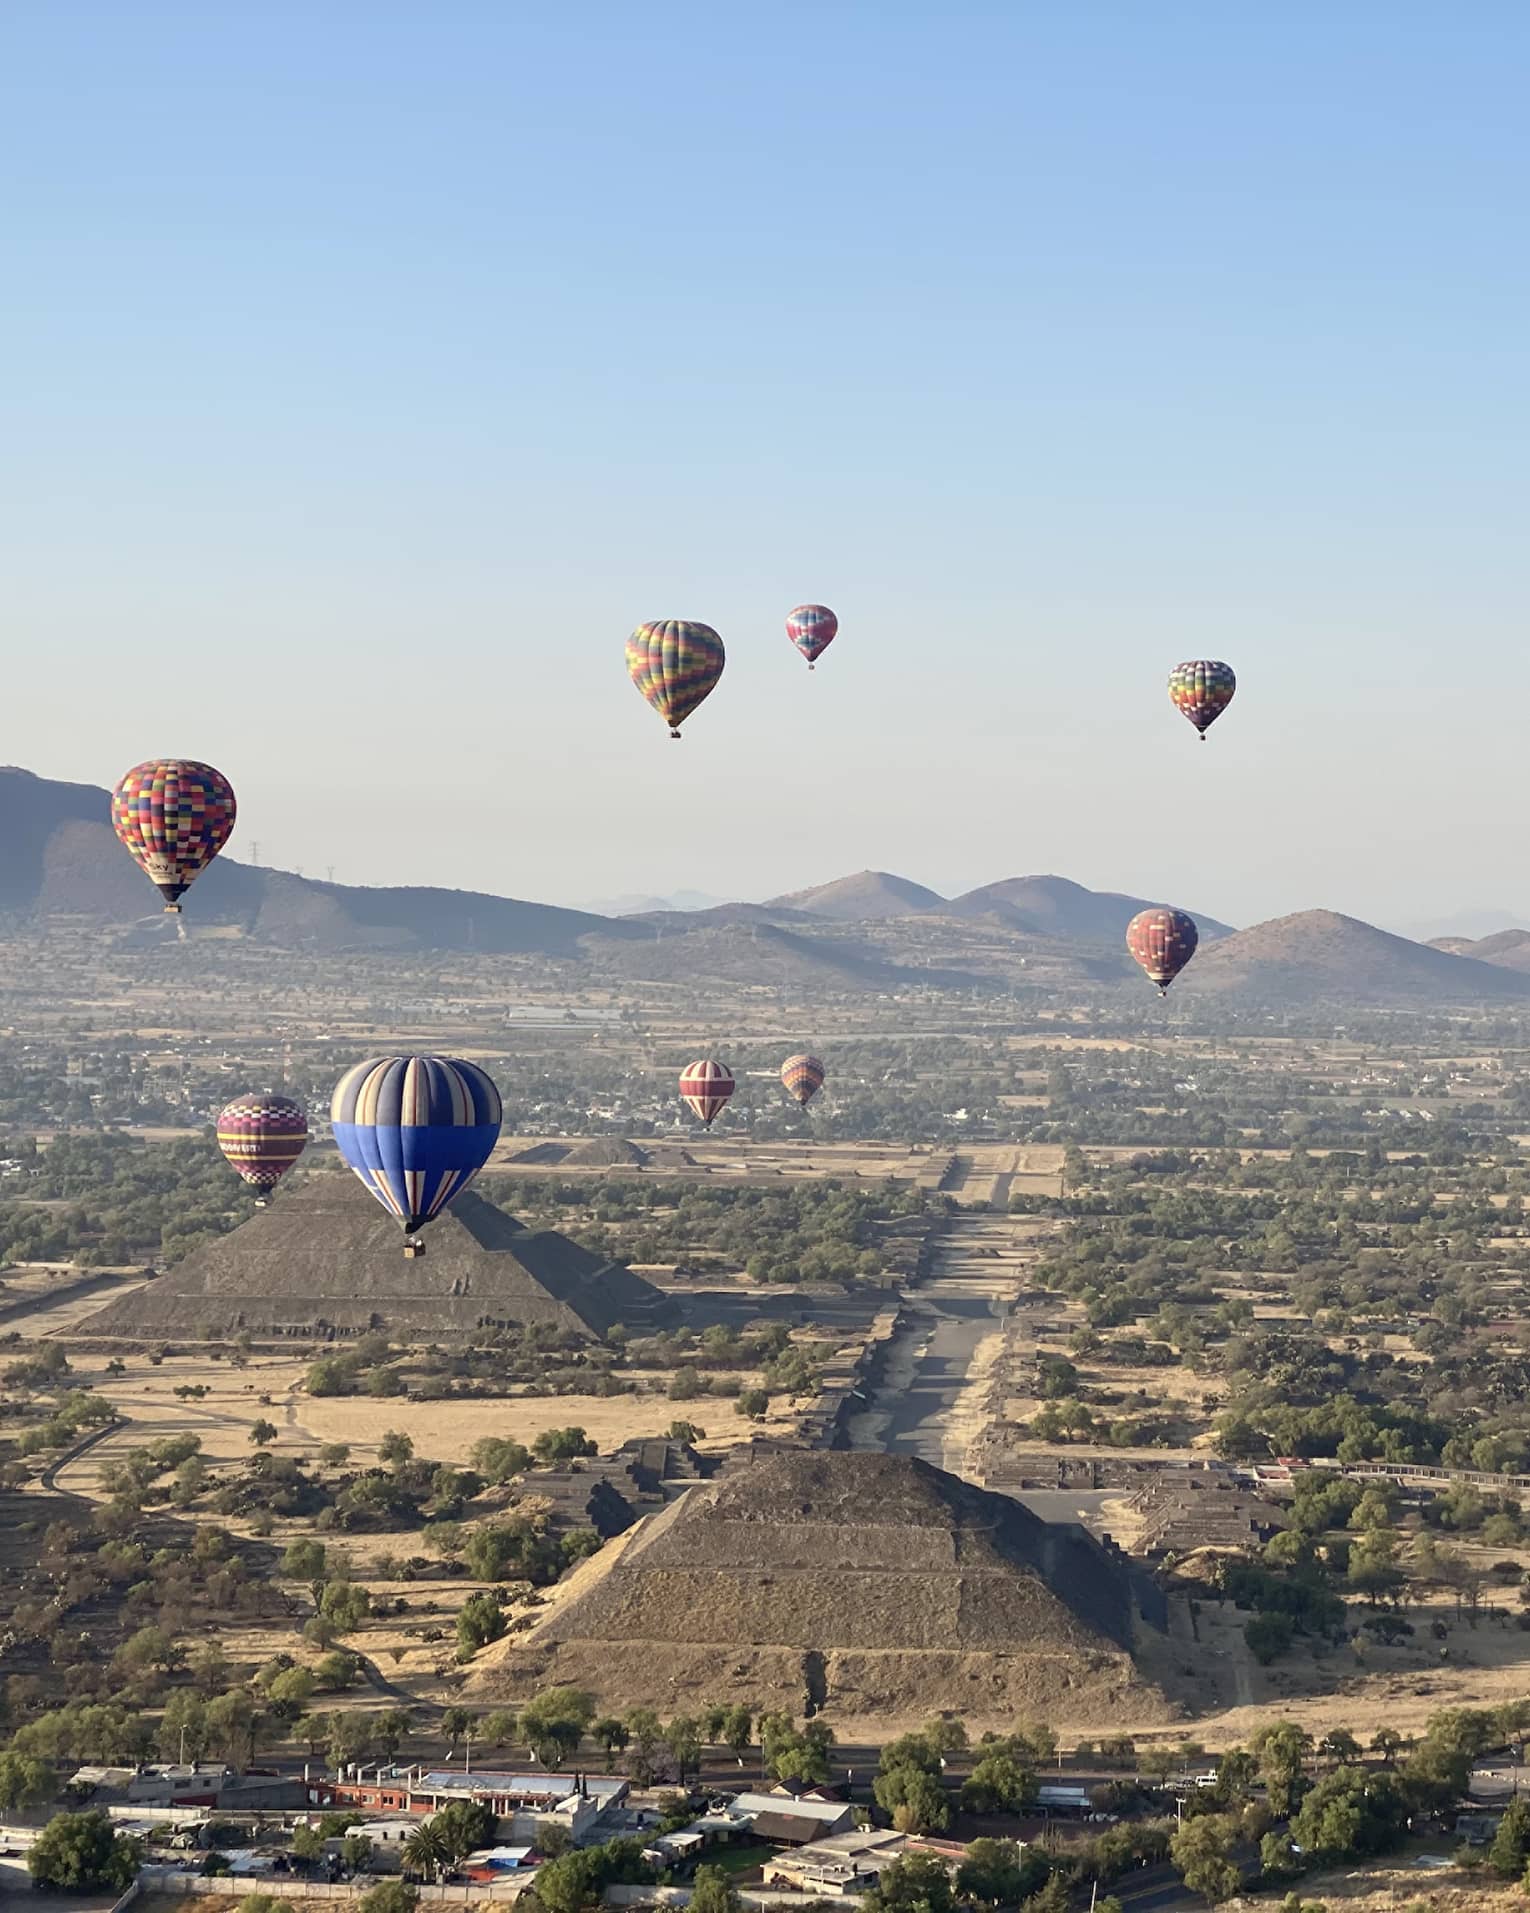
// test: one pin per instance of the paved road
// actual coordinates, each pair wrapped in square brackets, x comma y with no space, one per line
[951,1326]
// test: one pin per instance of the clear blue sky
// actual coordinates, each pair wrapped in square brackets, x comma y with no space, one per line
[371,368]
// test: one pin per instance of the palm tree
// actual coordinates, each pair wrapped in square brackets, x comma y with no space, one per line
[425,1852]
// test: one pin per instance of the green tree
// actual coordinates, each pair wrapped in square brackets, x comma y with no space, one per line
[425,1852]
[480,1620]
[1351,1814]
[24,1782]
[80,1852]
[713,1892]
[391,1896]
[344,1605]
[998,1784]
[613,1736]
[555,1721]
[304,1559]
[563,1444]
[356,1852]
[917,1883]
[263,1432]
[395,1448]
[1202,1850]
[306,1844]
[991,1873]
[1282,1750]
[499,1461]
[1510,1851]
[464,1826]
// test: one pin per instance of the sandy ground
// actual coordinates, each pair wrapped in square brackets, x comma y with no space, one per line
[969,1417]
[446,1431]
[1378,1889]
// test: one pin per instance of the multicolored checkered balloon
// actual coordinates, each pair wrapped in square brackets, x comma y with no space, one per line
[1202,688]
[173,816]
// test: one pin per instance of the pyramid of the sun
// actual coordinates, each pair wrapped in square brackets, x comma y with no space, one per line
[326,1259]
[863,1585]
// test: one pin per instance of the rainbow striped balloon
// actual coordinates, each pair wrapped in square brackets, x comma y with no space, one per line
[172,817]
[1163,942]
[802,1077]
[705,1088]
[675,663]
[262,1136]
[416,1130]
[1202,689]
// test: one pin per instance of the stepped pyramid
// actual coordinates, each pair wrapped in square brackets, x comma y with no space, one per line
[326,1260]
[861,1585]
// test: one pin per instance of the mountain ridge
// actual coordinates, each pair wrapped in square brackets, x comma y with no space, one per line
[1322,953]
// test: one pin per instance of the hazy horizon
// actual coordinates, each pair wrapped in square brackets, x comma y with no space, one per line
[369,386]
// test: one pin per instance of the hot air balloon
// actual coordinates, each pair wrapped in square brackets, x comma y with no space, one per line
[811,628]
[262,1136]
[802,1077]
[416,1129]
[1202,688]
[173,817]
[675,664]
[1163,942]
[705,1087]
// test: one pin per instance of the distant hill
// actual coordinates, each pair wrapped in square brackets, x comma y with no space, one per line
[1509,949]
[767,954]
[867,895]
[635,904]
[1319,953]
[60,858]
[1057,907]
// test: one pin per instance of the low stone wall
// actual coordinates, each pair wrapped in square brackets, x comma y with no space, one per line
[227,1886]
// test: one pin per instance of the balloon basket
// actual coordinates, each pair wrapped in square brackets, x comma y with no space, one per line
[414,1249]
[811,665]
[674,737]
[172,909]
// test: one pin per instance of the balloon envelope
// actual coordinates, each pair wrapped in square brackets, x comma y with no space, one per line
[1202,688]
[416,1130]
[1163,942]
[173,816]
[675,663]
[811,627]
[705,1087]
[802,1077]
[262,1136]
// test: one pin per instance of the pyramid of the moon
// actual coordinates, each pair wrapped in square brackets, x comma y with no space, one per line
[856,1583]
[326,1259]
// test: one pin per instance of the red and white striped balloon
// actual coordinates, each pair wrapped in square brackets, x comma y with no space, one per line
[705,1087]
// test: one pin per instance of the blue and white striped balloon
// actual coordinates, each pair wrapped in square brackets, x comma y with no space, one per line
[416,1130]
